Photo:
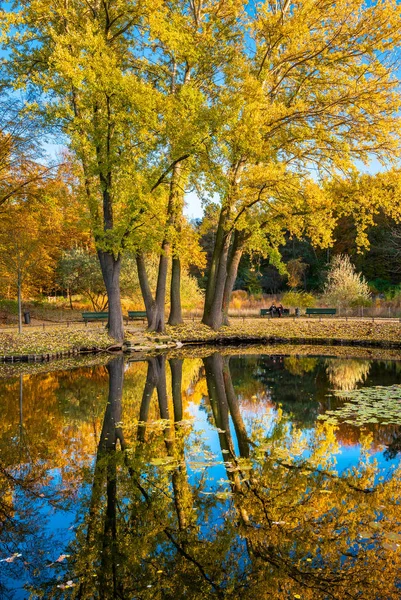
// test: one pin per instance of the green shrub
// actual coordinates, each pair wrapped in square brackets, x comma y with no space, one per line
[393,293]
[10,306]
[298,299]
[380,286]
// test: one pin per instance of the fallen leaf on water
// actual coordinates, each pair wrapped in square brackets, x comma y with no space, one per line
[12,558]
[68,584]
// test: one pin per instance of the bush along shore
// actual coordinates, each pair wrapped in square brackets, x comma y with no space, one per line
[32,346]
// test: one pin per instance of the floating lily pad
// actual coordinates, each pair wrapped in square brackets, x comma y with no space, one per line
[377,404]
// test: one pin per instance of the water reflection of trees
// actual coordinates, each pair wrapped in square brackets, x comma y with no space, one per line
[32,445]
[346,374]
[273,525]
[160,515]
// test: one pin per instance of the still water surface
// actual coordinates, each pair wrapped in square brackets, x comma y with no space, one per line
[200,478]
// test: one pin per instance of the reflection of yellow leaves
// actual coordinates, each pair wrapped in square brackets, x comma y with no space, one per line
[388,546]
[65,586]
[299,366]
[346,374]
[366,440]
[197,391]
[395,537]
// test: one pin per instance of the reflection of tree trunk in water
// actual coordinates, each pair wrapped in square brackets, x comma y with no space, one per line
[236,416]
[176,384]
[150,384]
[183,499]
[182,492]
[21,420]
[106,469]
[110,433]
[24,452]
[218,402]
[219,387]
[163,405]
[173,437]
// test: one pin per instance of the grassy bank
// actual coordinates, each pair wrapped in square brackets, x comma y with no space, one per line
[62,341]
[383,333]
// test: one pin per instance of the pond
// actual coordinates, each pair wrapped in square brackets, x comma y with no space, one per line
[211,476]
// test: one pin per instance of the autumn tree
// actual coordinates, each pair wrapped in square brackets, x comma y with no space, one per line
[21,169]
[191,45]
[316,92]
[33,230]
[90,67]
[78,272]
[296,270]
[138,82]
[344,286]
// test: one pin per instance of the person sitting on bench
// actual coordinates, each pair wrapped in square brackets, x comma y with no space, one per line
[280,309]
[273,309]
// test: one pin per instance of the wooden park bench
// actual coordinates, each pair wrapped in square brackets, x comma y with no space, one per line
[264,312]
[320,311]
[95,316]
[137,314]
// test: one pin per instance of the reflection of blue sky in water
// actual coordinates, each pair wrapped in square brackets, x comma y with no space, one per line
[55,528]
[347,457]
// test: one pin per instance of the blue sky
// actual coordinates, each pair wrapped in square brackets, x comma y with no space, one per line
[193,206]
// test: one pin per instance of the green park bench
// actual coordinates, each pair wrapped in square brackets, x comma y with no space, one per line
[320,311]
[95,316]
[137,314]
[264,312]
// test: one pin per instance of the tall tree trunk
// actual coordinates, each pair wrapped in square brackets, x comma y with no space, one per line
[177,194]
[213,312]
[223,277]
[232,270]
[216,284]
[111,268]
[217,250]
[175,317]
[173,209]
[160,300]
[147,296]
[155,308]
[19,284]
